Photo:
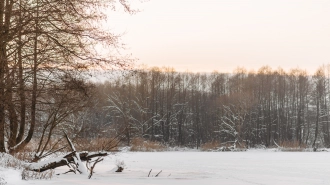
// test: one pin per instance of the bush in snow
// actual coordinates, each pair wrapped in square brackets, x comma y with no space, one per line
[2,181]
[210,146]
[120,165]
[292,144]
[31,175]
[96,144]
[139,144]
[8,161]
[260,147]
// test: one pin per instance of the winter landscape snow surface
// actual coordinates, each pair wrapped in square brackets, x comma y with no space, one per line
[251,167]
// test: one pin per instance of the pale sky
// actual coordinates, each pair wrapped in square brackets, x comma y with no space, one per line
[208,35]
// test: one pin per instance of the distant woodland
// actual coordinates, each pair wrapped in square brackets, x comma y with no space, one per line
[48,52]
[243,109]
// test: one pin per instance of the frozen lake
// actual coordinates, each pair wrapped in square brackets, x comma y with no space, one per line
[252,167]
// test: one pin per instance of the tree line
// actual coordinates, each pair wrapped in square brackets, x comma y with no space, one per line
[244,109]
[47,52]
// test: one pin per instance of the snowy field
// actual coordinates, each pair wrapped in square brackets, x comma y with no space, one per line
[192,168]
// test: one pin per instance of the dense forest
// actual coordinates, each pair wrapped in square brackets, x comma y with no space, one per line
[245,109]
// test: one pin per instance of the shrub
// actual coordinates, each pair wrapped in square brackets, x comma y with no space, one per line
[2,181]
[95,144]
[214,145]
[139,144]
[31,175]
[120,165]
[9,161]
[292,146]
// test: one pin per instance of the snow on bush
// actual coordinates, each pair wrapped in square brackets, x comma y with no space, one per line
[210,146]
[10,162]
[2,181]
[139,144]
[120,163]
[29,175]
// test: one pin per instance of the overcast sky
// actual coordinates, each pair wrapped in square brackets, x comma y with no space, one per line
[208,35]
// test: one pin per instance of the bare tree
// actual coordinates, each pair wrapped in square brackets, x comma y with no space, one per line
[43,41]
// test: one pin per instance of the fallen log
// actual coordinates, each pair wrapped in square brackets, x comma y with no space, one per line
[73,159]
[63,161]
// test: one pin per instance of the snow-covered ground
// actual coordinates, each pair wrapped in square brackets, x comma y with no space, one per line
[252,167]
